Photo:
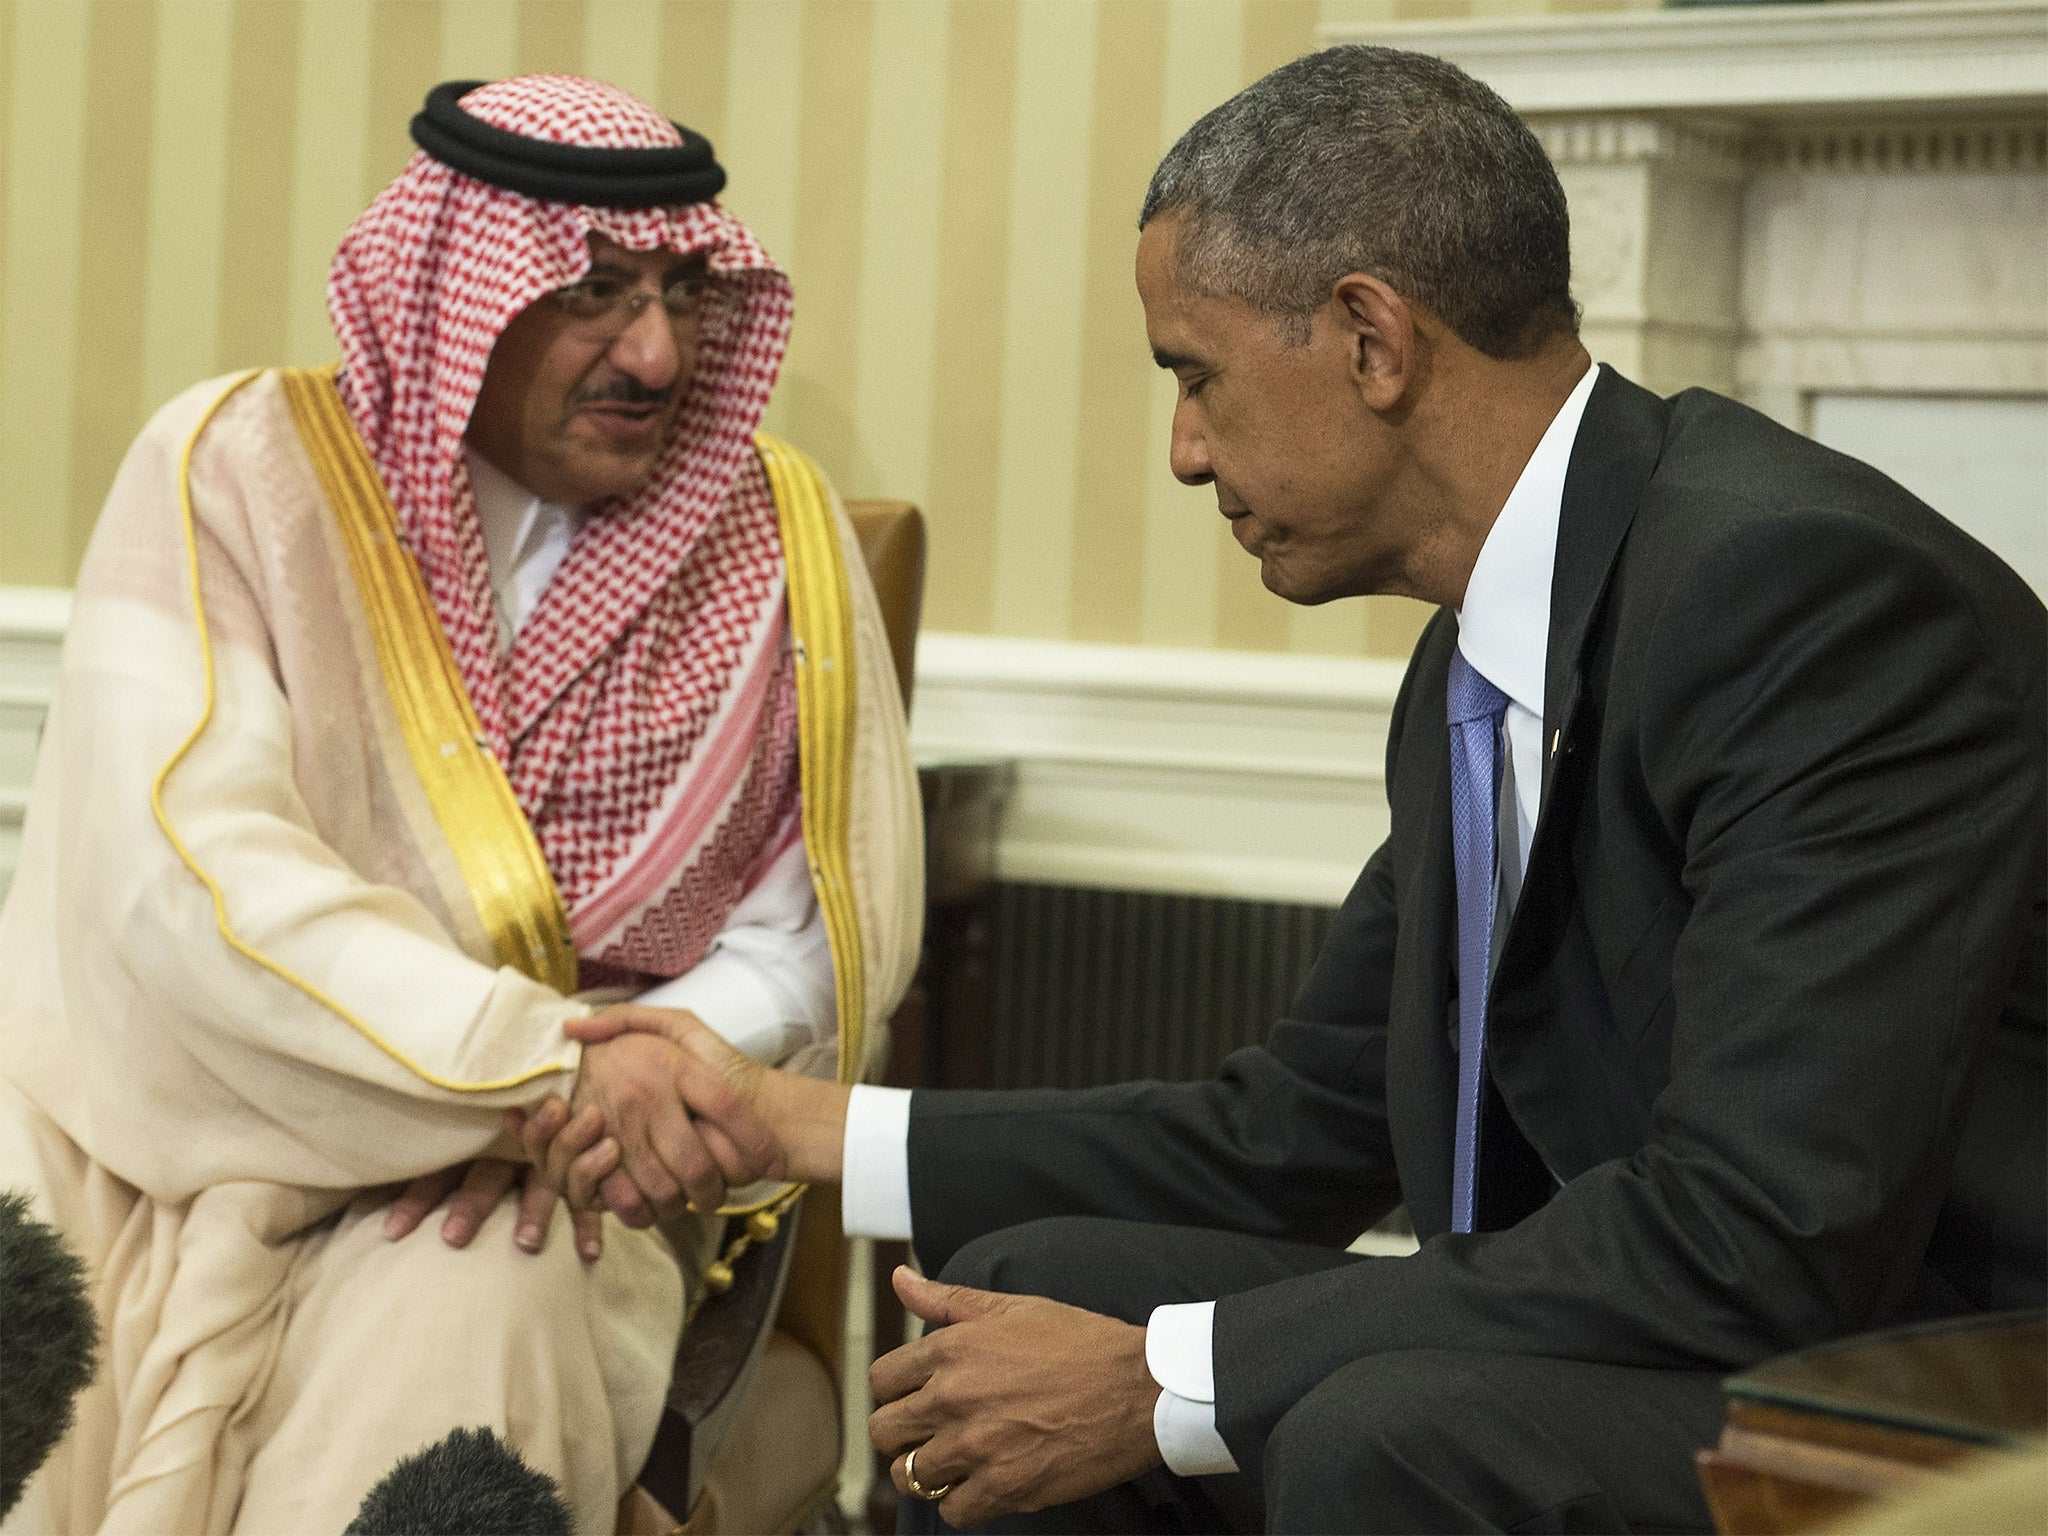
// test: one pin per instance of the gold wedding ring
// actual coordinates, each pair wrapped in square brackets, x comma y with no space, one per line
[929,1495]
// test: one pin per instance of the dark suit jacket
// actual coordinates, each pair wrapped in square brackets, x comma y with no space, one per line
[1770,1006]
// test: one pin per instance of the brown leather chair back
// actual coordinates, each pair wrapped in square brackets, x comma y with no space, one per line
[891,535]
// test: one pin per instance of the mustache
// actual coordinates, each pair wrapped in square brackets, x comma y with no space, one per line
[624,390]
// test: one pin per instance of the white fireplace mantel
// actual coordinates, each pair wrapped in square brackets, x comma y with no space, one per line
[1783,202]
[1896,54]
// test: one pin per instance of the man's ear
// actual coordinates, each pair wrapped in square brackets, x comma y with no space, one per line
[1381,339]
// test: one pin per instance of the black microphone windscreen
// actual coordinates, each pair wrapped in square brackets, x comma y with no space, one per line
[469,1484]
[49,1341]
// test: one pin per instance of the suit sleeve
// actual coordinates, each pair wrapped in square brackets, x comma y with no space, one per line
[1848,763]
[1289,1139]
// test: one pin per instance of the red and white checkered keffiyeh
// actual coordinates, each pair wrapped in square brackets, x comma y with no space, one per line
[646,713]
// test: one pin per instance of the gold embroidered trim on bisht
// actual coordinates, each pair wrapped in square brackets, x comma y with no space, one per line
[821,619]
[163,820]
[494,846]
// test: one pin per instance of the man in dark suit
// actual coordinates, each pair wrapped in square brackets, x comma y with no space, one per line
[1694,1005]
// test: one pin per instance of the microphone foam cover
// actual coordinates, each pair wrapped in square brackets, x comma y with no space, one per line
[469,1484]
[49,1341]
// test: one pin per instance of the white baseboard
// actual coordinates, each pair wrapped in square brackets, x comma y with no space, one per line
[1216,773]
[1220,773]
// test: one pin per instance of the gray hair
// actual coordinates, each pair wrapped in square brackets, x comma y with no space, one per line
[1361,159]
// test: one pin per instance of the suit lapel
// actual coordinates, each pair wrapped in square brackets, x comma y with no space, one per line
[1540,1055]
[1620,438]
[1422,1116]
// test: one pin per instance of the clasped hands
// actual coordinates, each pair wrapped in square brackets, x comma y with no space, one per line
[1009,1402]
[659,1118]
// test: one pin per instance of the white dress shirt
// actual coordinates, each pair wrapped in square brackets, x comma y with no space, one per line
[766,982]
[1504,631]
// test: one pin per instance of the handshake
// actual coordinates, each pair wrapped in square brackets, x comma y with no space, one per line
[664,1115]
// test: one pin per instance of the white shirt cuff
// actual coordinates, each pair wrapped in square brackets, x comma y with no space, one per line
[874,1191]
[738,1003]
[1188,1442]
[1180,1354]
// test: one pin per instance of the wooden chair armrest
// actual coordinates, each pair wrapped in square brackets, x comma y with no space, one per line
[714,1365]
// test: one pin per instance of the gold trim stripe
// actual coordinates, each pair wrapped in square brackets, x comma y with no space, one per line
[163,820]
[494,847]
[821,616]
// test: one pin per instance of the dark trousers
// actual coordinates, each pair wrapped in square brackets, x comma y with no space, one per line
[1423,1440]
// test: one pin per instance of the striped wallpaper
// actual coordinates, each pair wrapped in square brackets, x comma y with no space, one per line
[953,185]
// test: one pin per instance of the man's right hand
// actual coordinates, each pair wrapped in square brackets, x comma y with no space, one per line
[685,1134]
[805,1115]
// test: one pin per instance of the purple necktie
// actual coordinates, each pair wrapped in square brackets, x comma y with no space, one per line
[1475,708]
